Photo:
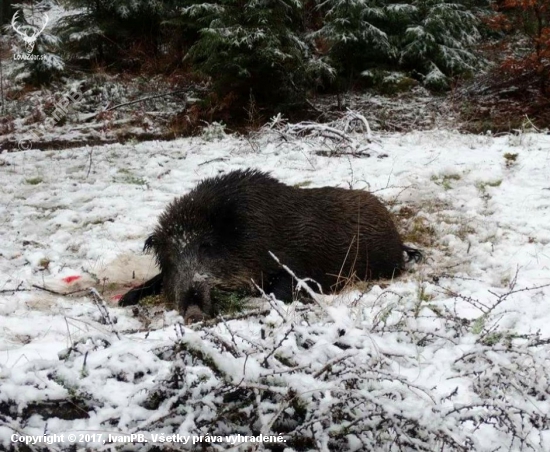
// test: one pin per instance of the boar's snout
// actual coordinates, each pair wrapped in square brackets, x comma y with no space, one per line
[194,314]
[190,293]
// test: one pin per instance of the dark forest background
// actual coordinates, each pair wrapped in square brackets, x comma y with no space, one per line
[260,57]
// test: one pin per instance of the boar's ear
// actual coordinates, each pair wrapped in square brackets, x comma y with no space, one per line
[150,243]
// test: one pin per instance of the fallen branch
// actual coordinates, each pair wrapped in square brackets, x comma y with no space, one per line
[54,292]
[143,99]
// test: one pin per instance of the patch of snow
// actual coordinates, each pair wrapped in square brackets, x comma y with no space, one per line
[87,211]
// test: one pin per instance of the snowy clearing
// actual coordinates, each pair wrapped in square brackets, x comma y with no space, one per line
[453,355]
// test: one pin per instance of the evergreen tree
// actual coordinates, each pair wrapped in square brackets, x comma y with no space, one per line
[431,38]
[436,37]
[48,63]
[353,30]
[43,61]
[254,49]
[107,29]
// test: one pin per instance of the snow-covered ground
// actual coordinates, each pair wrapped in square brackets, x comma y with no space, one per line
[436,355]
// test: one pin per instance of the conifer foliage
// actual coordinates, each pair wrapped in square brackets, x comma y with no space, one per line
[42,62]
[273,52]
[254,49]
[354,31]
[438,39]
[432,37]
[105,30]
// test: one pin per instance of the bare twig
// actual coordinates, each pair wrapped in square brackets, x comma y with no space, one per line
[104,311]
[63,294]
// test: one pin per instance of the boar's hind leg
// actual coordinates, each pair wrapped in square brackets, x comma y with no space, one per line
[151,287]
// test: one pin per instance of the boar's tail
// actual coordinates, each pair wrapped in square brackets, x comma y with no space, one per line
[413,254]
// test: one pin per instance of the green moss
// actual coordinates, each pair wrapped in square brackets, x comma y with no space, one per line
[478,325]
[153,300]
[495,183]
[419,231]
[445,180]
[34,180]
[228,302]
[493,338]
[510,159]
[129,178]
[422,299]
[44,263]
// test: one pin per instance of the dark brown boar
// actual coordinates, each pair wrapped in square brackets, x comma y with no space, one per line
[220,235]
